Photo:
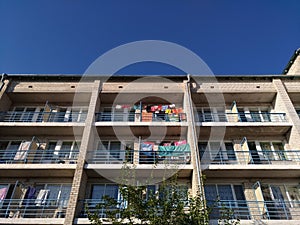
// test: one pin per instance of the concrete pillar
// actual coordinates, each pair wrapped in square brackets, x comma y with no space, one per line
[192,140]
[5,102]
[87,143]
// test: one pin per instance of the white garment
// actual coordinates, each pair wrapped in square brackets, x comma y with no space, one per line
[42,197]
[22,152]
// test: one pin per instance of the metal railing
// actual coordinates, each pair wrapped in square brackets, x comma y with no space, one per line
[138,117]
[251,157]
[39,156]
[144,157]
[16,116]
[240,209]
[256,210]
[91,205]
[242,117]
[33,208]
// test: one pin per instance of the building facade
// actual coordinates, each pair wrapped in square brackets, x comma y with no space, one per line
[64,140]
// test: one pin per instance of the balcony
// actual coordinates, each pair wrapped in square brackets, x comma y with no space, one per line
[139,117]
[32,208]
[255,157]
[241,209]
[263,163]
[144,157]
[38,156]
[242,117]
[36,117]
[257,210]
[91,205]
[242,124]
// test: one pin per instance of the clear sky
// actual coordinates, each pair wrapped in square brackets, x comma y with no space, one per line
[66,36]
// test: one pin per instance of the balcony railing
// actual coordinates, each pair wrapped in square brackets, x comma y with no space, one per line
[242,117]
[139,117]
[15,116]
[91,205]
[256,210]
[39,156]
[33,208]
[144,157]
[244,210]
[251,157]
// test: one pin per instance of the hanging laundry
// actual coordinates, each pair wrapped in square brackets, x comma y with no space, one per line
[135,107]
[164,107]
[173,150]
[167,144]
[29,195]
[177,143]
[175,111]
[118,106]
[168,111]
[42,197]
[22,152]
[126,106]
[3,192]
[172,106]
[147,148]
[180,110]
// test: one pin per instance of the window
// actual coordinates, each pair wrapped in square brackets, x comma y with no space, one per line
[114,151]
[100,190]
[231,196]
[58,195]
[61,151]
[273,150]
[25,114]
[230,151]
[217,151]
[202,146]
[9,150]
[212,115]
[298,112]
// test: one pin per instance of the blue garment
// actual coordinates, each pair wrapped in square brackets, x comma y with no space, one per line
[147,149]
[29,195]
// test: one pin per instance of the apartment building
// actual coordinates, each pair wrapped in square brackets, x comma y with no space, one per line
[64,140]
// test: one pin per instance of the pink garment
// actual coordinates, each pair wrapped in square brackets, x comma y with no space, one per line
[177,143]
[2,193]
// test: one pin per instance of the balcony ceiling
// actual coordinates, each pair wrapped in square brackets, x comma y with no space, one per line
[42,98]
[244,129]
[114,171]
[158,129]
[37,170]
[295,97]
[40,129]
[250,98]
[134,98]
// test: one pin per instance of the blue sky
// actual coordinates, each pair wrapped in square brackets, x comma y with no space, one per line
[65,37]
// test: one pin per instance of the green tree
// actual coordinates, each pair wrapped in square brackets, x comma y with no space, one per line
[171,204]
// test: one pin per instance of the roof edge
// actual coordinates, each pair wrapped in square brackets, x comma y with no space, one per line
[291,61]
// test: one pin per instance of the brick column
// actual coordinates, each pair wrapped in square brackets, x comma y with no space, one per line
[80,176]
[283,103]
